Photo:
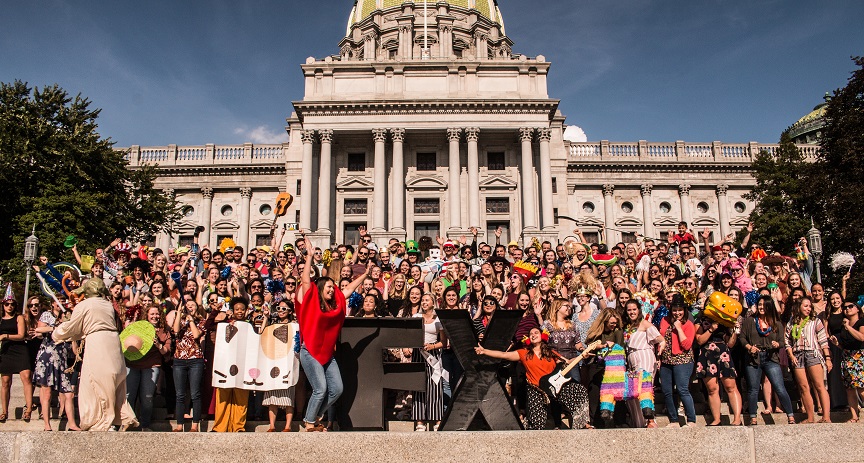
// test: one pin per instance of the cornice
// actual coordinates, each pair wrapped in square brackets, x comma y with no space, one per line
[403,107]
[654,168]
[177,171]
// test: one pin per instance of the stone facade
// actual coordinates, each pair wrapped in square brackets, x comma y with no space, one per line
[427,123]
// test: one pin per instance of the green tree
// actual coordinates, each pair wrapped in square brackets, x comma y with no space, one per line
[781,196]
[839,173]
[60,175]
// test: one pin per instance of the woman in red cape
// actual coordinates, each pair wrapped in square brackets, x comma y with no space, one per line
[320,314]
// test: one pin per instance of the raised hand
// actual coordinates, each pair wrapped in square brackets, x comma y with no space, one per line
[473,231]
[498,232]
[706,233]
[362,230]
[750,227]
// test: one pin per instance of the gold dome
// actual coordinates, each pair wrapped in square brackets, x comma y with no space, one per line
[364,8]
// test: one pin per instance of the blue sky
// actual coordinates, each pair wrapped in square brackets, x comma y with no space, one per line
[195,71]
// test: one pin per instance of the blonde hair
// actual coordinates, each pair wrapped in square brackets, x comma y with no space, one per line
[403,294]
[551,314]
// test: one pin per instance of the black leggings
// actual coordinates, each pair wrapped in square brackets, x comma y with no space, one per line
[573,398]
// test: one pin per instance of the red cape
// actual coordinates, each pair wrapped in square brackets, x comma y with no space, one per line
[319,330]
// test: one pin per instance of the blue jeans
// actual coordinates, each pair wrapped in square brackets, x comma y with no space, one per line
[326,382]
[774,372]
[188,372]
[141,384]
[677,376]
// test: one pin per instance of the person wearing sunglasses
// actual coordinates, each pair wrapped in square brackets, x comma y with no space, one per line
[281,398]
[14,356]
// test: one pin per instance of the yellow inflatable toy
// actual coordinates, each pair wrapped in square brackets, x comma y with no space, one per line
[722,309]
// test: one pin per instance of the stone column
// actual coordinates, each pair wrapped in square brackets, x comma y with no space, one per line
[397,221]
[546,206]
[647,207]
[166,240]
[723,206]
[206,215]
[455,195]
[308,137]
[526,135]
[324,186]
[379,195]
[243,235]
[472,135]
[684,198]
[609,213]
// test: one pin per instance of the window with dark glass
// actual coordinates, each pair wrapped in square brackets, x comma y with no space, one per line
[356,162]
[495,161]
[497,205]
[426,161]
[427,206]
[355,206]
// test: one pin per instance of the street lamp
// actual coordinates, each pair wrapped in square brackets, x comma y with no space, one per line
[815,247]
[31,246]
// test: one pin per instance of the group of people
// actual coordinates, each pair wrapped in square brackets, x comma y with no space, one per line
[607,322]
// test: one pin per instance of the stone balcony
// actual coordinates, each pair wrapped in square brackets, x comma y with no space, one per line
[673,152]
[206,155]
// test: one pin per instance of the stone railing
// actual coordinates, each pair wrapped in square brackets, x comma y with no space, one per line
[173,155]
[679,151]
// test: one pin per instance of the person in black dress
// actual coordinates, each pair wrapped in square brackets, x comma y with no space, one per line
[14,357]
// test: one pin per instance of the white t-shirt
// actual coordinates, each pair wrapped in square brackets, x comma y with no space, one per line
[430,330]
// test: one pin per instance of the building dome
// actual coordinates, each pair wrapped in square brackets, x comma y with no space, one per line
[364,8]
[808,129]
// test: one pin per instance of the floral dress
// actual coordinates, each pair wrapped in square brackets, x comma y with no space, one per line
[53,359]
[715,360]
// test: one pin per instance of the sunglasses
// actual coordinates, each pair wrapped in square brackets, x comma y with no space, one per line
[291,283]
[282,309]
[850,306]
[213,301]
[362,254]
[33,305]
[9,303]
[485,252]
[488,303]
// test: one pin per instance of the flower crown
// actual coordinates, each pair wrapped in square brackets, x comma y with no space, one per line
[544,336]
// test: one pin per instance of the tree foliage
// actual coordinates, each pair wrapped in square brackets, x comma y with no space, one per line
[60,175]
[781,212]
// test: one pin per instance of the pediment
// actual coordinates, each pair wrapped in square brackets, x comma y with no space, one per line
[628,222]
[591,222]
[498,182]
[666,222]
[430,182]
[740,221]
[355,183]
[186,225]
[705,222]
[263,223]
[225,225]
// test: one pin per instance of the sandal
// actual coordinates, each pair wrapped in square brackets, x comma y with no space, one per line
[27,414]
[791,420]
[3,417]
[853,420]
[754,421]
[823,420]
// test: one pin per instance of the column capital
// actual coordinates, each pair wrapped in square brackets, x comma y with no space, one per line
[526,134]
[398,135]
[722,189]
[326,135]
[379,135]
[207,192]
[684,189]
[646,189]
[169,192]
[608,189]
[544,134]
[472,134]
[246,192]
[454,134]
[307,136]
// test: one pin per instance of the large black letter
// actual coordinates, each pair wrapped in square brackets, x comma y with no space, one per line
[364,374]
[475,392]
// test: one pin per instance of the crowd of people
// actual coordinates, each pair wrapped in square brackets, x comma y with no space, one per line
[631,314]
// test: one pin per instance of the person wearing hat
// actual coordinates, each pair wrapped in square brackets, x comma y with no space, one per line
[102,384]
[145,349]
[14,355]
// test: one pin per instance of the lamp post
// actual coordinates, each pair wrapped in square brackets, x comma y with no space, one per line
[31,245]
[815,247]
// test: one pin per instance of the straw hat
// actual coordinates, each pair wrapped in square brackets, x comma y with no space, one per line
[137,339]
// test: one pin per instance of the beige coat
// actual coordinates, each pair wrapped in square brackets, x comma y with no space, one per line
[102,384]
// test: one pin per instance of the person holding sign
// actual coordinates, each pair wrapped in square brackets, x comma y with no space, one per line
[321,309]
[232,403]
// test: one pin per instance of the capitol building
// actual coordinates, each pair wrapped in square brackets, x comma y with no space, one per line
[429,121]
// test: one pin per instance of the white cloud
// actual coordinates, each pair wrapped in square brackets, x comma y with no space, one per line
[262,134]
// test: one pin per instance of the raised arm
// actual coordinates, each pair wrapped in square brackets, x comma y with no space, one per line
[511,356]
[306,276]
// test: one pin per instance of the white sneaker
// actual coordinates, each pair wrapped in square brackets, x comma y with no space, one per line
[420,427]
[435,428]
[691,424]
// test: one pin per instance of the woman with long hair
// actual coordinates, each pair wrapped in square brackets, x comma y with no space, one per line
[187,323]
[280,398]
[851,340]
[834,319]
[428,406]
[51,368]
[143,375]
[395,293]
[476,292]
[483,317]
[411,306]
[539,360]
[606,329]
[643,341]
[14,357]
[715,367]
[763,337]
[676,360]
[807,346]
[321,309]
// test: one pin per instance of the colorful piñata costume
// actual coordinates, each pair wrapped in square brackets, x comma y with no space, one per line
[621,384]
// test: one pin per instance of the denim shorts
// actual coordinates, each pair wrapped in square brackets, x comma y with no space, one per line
[807,358]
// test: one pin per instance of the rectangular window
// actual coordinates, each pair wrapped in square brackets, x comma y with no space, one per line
[554,185]
[505,232]
[297,193]
[664,236]
[262,240]
[356,206]
[555,214]
[430,229]
[219,239]
[592,237]
[427,161]
[427,206]
[352,234]
[495,161]
[628,237]
[356,162]
[184,240]
[497,205]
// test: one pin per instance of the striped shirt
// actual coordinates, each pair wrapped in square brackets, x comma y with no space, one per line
[813,336]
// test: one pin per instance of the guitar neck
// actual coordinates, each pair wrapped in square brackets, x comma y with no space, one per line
[578,359]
